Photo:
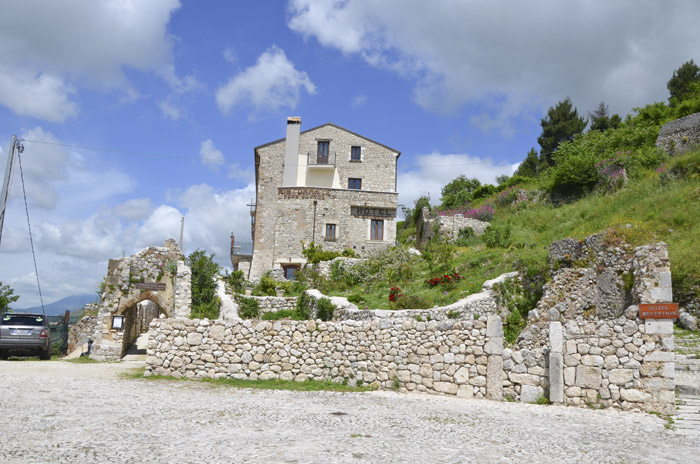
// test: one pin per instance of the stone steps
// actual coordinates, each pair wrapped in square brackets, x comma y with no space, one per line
[687,413]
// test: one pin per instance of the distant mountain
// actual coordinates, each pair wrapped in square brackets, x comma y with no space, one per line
[58,308]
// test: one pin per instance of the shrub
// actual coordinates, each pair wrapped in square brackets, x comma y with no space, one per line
[484,191]
[248,308]
[236,280]
[497,237]
[465,237]
[482,213]
[356,298]
[266,286]
[324,309]
[446,280]
[303,309]
[281,314]
[315,254]
[507,197]
[411,302]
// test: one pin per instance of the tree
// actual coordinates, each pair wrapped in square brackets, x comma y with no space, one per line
[562,123]
[528,168]
[601,119]
[205,302]
[7,296]
[503,178]
[679,84]
[459,191]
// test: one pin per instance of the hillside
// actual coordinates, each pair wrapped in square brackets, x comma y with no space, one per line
[71,303]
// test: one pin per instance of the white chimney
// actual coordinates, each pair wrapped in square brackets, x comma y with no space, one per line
[291,152]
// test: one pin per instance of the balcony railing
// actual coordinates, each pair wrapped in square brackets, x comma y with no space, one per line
[316,160]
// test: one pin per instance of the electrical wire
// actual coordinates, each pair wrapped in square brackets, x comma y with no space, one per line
[217,160]
[31,240]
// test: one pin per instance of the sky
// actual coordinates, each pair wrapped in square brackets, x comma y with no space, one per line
[135,114]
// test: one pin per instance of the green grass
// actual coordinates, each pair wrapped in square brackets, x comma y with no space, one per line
[308,385]
[81,360]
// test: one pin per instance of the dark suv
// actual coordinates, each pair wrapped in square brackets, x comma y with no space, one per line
[24,335]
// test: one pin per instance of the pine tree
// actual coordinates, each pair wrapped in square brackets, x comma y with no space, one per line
[562,123]
[679,84]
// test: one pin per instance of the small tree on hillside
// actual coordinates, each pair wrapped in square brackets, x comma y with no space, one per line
[601,119]
[679,86]
[459,191]
[562,123]
[528,168]
[205,302]
[7,296]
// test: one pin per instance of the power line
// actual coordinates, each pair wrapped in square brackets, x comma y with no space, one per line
[20,149]
[199,158]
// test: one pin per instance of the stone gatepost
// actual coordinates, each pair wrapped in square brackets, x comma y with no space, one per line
[182,303]
[556,363]
[494,350]
[653,285]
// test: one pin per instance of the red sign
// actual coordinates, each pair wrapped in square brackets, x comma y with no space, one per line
[659,311]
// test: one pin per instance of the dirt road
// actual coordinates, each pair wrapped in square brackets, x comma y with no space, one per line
[58,412]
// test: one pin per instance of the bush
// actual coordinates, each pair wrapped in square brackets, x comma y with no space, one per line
[497,237]
[356,298]
[248,308]
[315,254]
[324,309]
[281,314]
[266,286]
[302,311]
[205,302]
[236,280]
[411,302]
[484,191]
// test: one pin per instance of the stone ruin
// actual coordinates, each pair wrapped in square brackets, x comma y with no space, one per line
[584,343]
[680,135]
[446,227]
[153,283]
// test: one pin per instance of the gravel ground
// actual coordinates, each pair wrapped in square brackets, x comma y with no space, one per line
[57,412]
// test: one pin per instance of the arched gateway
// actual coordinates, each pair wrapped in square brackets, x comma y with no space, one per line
[136,290]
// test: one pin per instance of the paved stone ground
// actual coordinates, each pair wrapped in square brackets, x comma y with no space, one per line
[56,412]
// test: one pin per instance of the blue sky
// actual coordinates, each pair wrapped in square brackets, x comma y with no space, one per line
[459,87]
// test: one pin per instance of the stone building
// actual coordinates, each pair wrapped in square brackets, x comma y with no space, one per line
[326,185]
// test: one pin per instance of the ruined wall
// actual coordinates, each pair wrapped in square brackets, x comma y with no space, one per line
[83,330]
[121,295]
[680,135]
[446,227]
[584,343]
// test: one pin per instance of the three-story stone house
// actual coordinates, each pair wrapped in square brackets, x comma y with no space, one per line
[326,185]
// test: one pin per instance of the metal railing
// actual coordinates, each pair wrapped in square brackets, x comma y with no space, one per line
[315,160]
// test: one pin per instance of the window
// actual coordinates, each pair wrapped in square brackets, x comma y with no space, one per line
[322,153]
[354,184]
[330,231]
[376,229]
[355,153]
[290,272]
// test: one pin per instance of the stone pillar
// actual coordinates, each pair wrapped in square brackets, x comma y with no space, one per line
[494,350]
[652,272]
[556,363]
[182,301]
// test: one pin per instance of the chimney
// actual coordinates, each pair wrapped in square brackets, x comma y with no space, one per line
[291,152]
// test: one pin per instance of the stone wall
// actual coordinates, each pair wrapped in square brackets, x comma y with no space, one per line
[583,344]
[446,357]
[447,227]
[680,135]
[83,330]
[273,303]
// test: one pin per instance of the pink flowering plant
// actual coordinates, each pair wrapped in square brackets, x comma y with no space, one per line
[611,171]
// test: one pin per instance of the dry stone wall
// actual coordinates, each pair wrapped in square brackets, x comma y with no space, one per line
[446,357]
[584,344]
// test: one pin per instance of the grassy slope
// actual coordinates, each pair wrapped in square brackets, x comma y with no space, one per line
[656,210]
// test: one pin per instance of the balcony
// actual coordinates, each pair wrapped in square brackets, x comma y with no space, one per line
[318,161]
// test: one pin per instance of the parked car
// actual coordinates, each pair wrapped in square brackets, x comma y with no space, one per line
[24,335]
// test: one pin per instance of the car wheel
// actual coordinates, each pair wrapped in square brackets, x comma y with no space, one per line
[45,355]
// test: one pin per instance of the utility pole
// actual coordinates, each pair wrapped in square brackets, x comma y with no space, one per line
[182,230]
[8,176]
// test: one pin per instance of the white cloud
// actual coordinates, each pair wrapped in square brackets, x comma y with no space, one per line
[136,209]
[359,100]
[210,155]
[433,171]
[517,58]
[272,83]
[47,49]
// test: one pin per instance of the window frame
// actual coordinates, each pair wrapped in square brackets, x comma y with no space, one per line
[376,230]
[320,157]
[352,180]
[355,150]
[333,228]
